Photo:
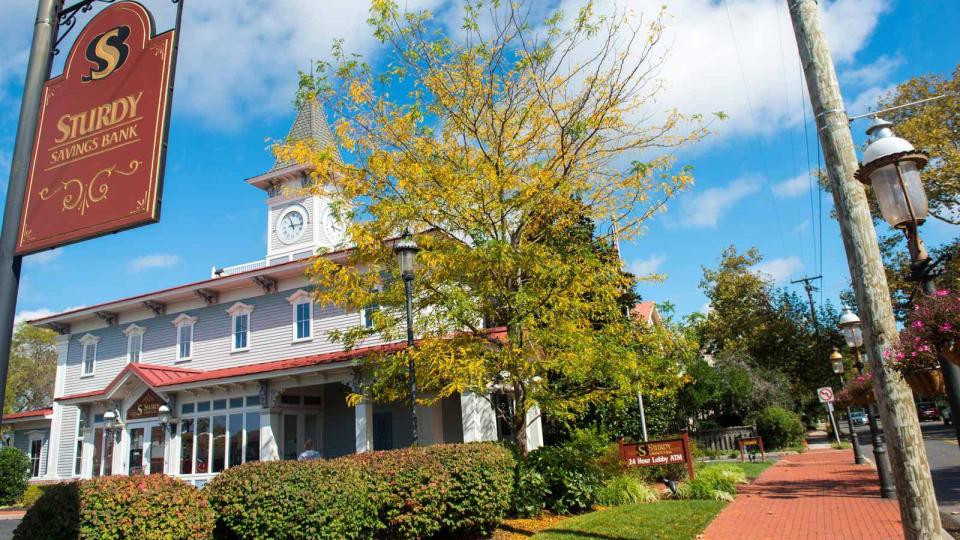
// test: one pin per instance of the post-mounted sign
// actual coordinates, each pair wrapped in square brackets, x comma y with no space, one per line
[659,452]
[825,394]
[98,156]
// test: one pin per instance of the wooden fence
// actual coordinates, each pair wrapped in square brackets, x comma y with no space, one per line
[724,439]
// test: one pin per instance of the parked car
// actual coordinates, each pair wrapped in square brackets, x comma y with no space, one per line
[928,412]
[859,418]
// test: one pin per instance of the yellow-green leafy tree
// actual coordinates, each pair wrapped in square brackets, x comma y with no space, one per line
[493,144]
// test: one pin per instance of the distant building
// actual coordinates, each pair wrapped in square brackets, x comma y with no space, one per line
[646,312]
[242,360]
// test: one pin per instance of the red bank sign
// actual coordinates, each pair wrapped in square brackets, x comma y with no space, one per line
[98,157]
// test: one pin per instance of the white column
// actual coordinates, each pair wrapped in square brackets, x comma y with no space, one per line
[269,449]
[363,426]
[534,429]
[56,424]
[479,419]
[430,424]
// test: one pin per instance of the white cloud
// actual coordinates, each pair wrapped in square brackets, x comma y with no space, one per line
[740,56]
[705,208]
[876,72]
[157,260]
[645,267]
[797,185]
[40,313]
[242,62]
[44,258]
[866,101]
[802,227]
[779,269]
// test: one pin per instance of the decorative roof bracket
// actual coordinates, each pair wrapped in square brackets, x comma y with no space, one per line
[267,283]
[209,296]
[158,308]
[108,317]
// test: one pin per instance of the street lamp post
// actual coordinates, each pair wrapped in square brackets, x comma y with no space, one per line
[406,250]
[853,335]
[837,360]
[892,166]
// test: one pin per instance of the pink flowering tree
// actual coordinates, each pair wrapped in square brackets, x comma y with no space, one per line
[858,391]
[932,329]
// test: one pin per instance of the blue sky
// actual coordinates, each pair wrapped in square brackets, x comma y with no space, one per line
[235,84]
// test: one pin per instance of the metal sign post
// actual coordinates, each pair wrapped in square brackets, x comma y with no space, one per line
[825,395]
[38,70]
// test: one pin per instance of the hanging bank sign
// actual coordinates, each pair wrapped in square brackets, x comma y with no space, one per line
[98,157]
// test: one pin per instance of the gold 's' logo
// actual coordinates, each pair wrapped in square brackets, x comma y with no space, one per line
[108,52]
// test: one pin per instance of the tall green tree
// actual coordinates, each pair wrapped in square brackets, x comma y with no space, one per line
[490,144]
[33,367]
[773,327]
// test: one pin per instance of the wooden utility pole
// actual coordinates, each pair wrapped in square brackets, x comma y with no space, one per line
[809,288]
[918,505]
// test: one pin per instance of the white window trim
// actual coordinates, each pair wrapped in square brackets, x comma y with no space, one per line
[32,438]
[363,316]
[184,320]
[88,339]
[297,298]
[236,310]
[131,331]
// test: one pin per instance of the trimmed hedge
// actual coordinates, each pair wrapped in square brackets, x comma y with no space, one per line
[14,473]
[119,507]
[453,490]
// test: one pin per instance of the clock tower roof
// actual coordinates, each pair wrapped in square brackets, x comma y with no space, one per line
[310,124]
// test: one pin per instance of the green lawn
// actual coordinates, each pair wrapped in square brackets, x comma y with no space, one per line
[665,520]
[752,470]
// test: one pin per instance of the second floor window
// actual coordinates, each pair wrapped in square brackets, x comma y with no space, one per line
[303,320]
[302,315]
[367,315]
[134,343]
[89,361]
[184,324]
[240,326]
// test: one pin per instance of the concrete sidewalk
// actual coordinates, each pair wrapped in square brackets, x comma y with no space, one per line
[819,494]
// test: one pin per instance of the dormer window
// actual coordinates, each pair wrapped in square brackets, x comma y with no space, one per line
[184,324]
[302,315]
[134,343]
[240,325]
[89,362]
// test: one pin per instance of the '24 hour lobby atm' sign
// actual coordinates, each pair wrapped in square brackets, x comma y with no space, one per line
[98,157]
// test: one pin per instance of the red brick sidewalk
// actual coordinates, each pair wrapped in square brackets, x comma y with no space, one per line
[818,495]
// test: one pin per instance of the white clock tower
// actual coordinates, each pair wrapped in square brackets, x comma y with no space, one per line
[298,222]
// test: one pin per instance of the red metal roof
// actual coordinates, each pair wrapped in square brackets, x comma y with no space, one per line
[645,311]
[28,414]
[165,376]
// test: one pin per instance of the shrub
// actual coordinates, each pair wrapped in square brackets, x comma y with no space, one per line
[626,489]
[114,507]
[656,474]
[34,492]
[454,490]
[717,482]
[481,485]
[529,492]
[14,473]
[56,514]
[779,428]
[572,471]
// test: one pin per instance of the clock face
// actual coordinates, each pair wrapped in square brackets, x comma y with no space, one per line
[291,225]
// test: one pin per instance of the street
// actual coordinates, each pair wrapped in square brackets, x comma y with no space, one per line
[944,457]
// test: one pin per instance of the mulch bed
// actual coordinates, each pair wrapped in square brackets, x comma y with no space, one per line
[517,529]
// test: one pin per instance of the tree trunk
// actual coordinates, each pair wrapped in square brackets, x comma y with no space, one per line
[519,418]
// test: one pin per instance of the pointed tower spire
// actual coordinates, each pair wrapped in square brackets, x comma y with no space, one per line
[311,123]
